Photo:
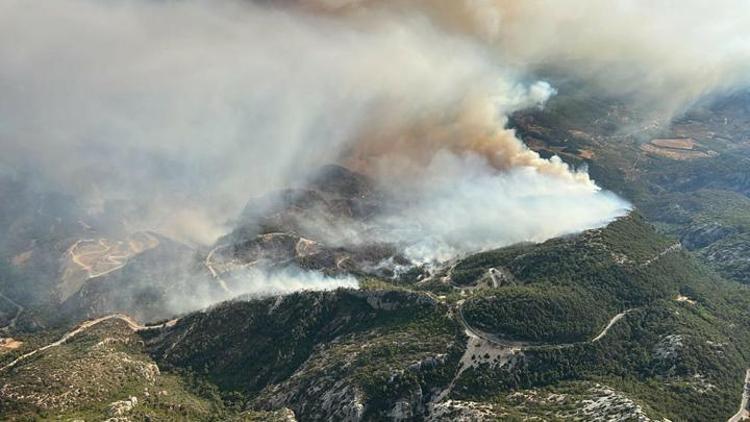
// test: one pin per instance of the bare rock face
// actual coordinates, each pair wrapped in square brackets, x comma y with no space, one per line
[669,347]
[122,407]
[408,407]
[607,404]
[705,234]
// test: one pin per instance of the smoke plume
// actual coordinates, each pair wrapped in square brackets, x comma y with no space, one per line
[662,54]
[460,205]
[257,282]
[184,110]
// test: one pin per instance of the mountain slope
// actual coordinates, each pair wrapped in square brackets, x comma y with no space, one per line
[672,353]
[324,354]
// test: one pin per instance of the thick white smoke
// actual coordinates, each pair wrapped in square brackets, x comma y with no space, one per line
[462,205]
[258,282]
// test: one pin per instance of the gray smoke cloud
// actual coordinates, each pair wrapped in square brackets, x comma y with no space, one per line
[662,54]
[183,110]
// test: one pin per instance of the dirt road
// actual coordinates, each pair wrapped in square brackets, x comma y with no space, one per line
[522,345]
[104,253]
[134,325]
[209,264]
[743,414]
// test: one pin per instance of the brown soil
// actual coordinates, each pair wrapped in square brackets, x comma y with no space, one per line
[676,149]
[586,154]
[677,143]
[10,343]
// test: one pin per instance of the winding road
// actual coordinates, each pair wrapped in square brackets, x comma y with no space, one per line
[502,350]
[209,264]
[134,325]
[117,261]
[671,248]
[522,345]
[610,324]
[743,413]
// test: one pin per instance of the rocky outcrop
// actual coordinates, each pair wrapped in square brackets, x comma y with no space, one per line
[730,257]
[669,347]
[122,407]
[702,235]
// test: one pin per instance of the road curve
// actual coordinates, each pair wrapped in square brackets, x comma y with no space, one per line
[117,261]
[490,338]
[529,345]
[134,325]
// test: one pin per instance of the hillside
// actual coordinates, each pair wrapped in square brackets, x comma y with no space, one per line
[638,320]
[374,210]
[103,372]
[674,337]
[699,198]
[619,316]
[615,317]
